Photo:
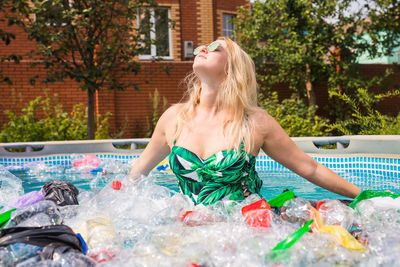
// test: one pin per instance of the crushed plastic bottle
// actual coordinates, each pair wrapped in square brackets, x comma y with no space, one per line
[297,210]
[333,212]
[19,252]
[10,188]
[100,232]
[39,214]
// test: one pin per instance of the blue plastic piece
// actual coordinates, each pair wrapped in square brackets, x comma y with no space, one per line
[95,171]
[84,245]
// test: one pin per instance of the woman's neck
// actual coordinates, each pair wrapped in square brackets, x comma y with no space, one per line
[208,97]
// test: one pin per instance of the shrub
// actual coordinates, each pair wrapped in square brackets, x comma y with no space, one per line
[295,117]
[154,100]
[44,119]
[365,119]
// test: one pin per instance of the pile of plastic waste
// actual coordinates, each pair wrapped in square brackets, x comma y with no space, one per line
[140,223]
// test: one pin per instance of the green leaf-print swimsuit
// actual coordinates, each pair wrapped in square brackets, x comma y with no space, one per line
[228,174]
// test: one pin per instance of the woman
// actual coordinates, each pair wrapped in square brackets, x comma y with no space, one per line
[214,137]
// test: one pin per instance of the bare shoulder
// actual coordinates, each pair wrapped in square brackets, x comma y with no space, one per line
[261,120]
[168,120]
[169,115]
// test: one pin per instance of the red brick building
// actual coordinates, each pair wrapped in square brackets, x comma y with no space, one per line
[197,22]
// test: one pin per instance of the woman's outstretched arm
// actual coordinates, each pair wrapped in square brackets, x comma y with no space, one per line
[279,146]
[158,147]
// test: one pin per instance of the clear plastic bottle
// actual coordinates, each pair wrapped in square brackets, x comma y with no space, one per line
[5,257]
[15,253]
[42,213]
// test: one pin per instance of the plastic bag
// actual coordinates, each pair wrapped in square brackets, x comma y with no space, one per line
[54,239]
[28,199]
[61,192]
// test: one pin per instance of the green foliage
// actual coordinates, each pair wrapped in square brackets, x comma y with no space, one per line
[313,41]
[155,107]
[365,119]
[44,119]
[295,117]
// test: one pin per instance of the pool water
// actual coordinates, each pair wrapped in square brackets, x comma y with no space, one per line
[274,181]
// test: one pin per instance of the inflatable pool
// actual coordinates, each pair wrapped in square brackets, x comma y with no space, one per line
[107,221]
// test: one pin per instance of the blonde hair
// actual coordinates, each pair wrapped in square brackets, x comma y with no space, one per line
[236,96]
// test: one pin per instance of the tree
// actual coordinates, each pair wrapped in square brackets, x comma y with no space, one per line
[6,38]
[310,41]
[94,42]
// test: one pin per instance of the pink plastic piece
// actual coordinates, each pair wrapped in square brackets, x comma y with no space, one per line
[257,214]
[89,160]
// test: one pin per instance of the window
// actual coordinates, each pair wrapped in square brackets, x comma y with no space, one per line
[156,33]
[227,25]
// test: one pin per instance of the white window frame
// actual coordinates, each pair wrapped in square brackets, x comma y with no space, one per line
[223,25]
[153,48]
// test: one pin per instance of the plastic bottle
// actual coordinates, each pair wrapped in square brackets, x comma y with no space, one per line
[100,232]
[10,187]
[75,259]
[5,257]
[297,210]
[42,213]
[18,252]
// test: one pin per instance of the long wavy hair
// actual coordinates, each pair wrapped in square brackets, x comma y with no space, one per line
[236,96]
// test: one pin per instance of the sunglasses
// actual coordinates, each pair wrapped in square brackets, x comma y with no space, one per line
[211,47]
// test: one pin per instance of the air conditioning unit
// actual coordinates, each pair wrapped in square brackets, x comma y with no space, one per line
[188,49]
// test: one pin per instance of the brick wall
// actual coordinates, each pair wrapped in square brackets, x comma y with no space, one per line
[205,22]
[130,104]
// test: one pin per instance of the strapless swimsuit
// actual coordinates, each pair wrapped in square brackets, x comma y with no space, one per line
[228,174]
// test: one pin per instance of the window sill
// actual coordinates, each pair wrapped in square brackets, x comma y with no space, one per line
[151,58]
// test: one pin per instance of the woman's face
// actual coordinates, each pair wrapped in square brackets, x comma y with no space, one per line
[210,65]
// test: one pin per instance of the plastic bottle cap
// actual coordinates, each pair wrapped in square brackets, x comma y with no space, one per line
[320,203]
[116,185]
[185,214]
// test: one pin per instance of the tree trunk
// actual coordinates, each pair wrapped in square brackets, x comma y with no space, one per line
[312,100]
[90,119]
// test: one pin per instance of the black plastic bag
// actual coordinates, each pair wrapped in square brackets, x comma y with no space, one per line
[61,192]
[54,239]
